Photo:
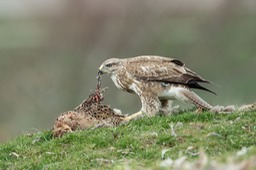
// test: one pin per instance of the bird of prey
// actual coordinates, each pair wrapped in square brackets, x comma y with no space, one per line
[157,81]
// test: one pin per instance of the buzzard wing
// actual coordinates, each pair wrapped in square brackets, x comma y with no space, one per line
[165,70]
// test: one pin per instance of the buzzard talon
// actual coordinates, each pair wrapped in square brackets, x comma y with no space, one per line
[134,116]
[155,80]
[199,110]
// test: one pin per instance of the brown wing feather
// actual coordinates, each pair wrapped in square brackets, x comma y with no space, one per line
[169,70]
[154,68]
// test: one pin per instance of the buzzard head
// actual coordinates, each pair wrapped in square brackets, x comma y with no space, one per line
[110,66]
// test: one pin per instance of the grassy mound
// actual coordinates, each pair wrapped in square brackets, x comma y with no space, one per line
[146,143]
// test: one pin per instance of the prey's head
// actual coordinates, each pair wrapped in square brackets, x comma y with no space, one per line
[110,66]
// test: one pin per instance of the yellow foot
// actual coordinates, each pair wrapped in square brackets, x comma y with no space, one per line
[134,116]
[199,110]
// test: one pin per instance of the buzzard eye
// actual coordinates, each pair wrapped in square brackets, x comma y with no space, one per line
[109,65]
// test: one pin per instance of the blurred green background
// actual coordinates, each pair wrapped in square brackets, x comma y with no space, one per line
[50,51]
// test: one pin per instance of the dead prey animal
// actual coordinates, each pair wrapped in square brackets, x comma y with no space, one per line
[91,113]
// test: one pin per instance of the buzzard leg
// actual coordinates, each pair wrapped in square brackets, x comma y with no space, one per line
[150,106]
[191,97]
[137,115]
[165,108]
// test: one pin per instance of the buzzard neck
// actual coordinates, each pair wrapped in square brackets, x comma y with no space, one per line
[116,82]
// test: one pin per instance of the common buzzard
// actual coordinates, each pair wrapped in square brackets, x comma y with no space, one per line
[157,81]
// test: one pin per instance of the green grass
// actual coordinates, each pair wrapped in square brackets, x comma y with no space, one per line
[137,144]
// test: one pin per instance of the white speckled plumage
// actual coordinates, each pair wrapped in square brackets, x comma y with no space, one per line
[155,80]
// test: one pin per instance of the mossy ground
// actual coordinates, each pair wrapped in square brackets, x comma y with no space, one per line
[140,143]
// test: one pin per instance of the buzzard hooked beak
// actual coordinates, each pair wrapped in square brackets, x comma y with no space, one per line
[100,72]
